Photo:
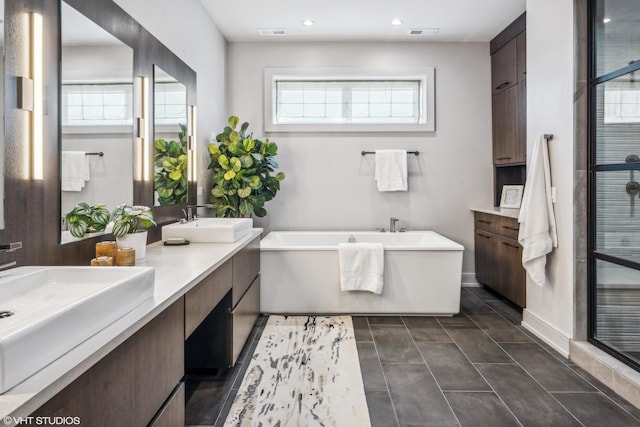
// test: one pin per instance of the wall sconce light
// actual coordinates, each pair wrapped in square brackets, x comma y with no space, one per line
[192,143]
[31,98]
[142,149]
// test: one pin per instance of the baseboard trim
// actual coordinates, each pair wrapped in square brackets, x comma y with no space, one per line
[546,332]
[469,280]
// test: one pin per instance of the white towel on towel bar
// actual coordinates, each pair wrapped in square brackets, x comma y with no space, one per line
[391,170]
[361,266]
[537,220]
[74,170]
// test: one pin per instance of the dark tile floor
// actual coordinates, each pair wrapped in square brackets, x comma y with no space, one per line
[479,368]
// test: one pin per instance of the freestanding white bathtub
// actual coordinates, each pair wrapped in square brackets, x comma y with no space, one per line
[300,274]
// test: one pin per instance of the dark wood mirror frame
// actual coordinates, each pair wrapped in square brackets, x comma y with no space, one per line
[32,208]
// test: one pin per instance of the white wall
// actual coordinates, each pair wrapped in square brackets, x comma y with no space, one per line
[329,185]
[550,83]
[186,29]
[111,181]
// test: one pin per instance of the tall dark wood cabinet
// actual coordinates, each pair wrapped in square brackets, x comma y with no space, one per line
[509,106]
[498,254]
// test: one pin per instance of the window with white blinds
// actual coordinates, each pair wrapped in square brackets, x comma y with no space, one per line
[93,104]
[170,103]
[305,102]
[348,101]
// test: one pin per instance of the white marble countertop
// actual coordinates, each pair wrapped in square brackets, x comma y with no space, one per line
[177,270]
[510,213]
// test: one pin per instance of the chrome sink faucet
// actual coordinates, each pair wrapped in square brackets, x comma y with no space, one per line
[392,224]
[191,211]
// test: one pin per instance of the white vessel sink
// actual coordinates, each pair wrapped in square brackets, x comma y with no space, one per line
[223,230]
[56,308]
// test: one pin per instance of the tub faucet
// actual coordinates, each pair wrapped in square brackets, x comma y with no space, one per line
[392,224]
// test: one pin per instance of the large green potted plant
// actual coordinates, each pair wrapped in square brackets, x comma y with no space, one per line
[170,177]
[84,218]
[243,167]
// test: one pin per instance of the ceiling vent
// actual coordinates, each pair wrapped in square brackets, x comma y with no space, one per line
[423,31]
[272,32]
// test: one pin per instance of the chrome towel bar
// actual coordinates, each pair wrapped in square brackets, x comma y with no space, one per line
[417,153]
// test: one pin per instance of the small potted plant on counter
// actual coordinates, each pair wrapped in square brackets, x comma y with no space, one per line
[85,218]
[129,227]
[243,172]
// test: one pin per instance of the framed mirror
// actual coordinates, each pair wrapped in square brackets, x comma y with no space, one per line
[2,115]
[171,139]
[97,117]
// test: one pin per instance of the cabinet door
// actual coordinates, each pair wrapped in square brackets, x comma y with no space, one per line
[520,150]
[172,413]
[505,126]
[246,266]
[203,298]
[512,274]
[486,246]
[521,56]
[503,68]
[243,317]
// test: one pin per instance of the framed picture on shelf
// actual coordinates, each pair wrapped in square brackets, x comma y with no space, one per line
[511,196]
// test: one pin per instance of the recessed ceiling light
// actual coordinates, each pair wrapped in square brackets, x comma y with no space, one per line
[606,20]
[396,22]
[307,22]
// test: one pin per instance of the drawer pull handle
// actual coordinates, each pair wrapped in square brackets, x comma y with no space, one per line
[510,245]
[511,228]
[505,84]
[484,237]
[484,221]
[503,158]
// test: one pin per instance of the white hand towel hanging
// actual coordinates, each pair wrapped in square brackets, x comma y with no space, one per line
[361,266]
[74,170]
[537,233]
[391,170]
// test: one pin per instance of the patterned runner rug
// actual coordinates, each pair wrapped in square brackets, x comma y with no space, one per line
[304,372]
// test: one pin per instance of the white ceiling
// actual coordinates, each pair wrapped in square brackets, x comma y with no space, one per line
[363,20]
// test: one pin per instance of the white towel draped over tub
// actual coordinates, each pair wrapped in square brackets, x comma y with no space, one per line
[361,266]
[391,170]
[537,221]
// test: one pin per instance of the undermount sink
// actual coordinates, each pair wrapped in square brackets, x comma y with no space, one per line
[222,230]
[47,311]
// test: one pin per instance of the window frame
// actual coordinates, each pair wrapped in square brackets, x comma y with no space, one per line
[426,76]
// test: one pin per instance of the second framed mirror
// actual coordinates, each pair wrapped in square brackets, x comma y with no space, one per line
[171,139]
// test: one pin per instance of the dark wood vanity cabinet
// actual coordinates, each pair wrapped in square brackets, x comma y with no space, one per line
[139,383]
[221,312]
[498,256]
[136,384]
